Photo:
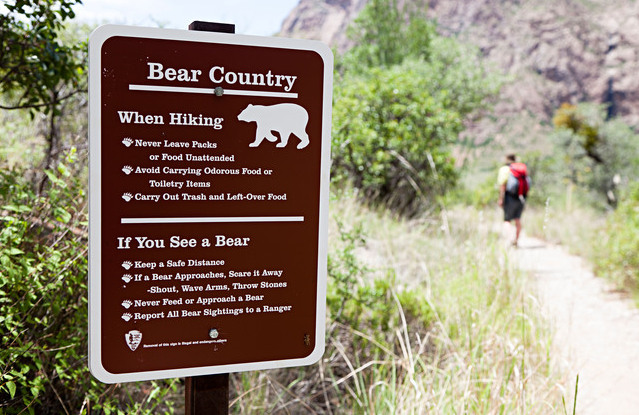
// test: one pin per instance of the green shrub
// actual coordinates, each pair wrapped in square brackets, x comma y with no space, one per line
[594,153]
[402,95]
[356,299]
[617,255]
[392,136]
[370,326]
[481,195]
[43,305]
[385,33]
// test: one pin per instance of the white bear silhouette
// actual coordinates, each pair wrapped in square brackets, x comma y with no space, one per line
[286,119]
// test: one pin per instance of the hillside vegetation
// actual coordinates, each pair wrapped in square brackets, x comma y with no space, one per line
[426,311]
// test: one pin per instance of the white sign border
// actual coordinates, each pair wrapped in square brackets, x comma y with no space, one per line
[96,40]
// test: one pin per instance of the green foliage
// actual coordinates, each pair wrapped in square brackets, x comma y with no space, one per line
[43,303]
[480,196]
[355,300]
[43,70]
[393,129]
[617,253]
[345,271]
[370,316]
[386,128]
[598,155]
[34,61]
[568,116]
[386,35]
[401,98]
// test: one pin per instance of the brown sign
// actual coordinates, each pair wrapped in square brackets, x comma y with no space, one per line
[209,193]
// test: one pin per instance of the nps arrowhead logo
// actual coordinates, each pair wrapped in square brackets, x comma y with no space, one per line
[133,339]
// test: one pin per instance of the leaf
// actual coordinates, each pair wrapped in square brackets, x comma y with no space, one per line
[61,215]
[153,394]
[11,386]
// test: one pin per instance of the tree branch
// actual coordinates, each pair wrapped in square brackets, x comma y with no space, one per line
[40,105]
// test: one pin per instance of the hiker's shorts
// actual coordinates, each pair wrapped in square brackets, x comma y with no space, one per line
[513,207]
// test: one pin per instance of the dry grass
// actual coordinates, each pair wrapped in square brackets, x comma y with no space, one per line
[452,331]
[574,227]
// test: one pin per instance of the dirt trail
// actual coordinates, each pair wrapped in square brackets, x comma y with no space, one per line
[597,330]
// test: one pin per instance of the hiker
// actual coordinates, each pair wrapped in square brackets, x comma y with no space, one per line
[513,184]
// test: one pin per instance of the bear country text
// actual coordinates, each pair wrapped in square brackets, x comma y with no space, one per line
[219,74]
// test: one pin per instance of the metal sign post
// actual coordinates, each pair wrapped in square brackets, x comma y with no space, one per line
[208,394]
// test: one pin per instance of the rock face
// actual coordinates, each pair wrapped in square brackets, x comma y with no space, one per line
[554,51]
[325,20]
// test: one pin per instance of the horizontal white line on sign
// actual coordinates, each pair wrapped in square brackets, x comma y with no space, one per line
[231,219]
[210,91]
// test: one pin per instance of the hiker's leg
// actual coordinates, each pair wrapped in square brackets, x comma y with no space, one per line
[506,232]
[517,229]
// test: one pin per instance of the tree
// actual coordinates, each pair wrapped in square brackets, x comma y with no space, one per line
[401,98]
[568,116]
[392,137]
[598,154]
[38,71]
[385,35]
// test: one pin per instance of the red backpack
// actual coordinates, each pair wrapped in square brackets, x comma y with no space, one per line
[518,181]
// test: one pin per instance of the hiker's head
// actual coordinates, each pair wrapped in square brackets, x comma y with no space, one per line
[511,158]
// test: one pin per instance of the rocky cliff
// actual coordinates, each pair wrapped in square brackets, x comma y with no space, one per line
[325,20]
[554,51]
